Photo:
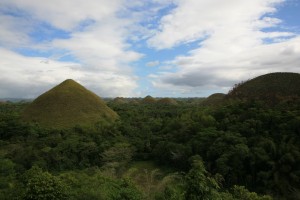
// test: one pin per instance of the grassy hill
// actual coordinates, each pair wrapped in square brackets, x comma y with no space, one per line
[271,87]
[148,100]
[214,99]
[119,100]
[67,105]
[167,101]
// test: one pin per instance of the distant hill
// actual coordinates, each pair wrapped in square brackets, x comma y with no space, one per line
[134,101]
[67,105]
[167,101]
[15,100]
[271,87]
[214,99]
[119,100]
[148,100]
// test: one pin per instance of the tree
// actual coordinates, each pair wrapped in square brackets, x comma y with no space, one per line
[199,186]
[116,157]
[41,185]
[240,192]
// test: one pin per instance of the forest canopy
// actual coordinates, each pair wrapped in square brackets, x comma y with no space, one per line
[225,147]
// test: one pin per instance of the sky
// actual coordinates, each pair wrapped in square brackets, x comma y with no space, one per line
[135,48]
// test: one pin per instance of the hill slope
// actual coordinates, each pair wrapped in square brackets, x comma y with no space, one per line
[214,99]
[167,101]
[67,105]
[269,87]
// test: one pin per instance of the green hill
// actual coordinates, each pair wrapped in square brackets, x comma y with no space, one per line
[67,105]
[134,101]
[214,99]
[119,100]
[167,101]
[271,87]
[148,100]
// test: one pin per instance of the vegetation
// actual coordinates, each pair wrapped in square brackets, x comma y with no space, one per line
[214,99]
[119,100]
[148,100]
[67,105]
[167,101]
[272,88]
[242,149]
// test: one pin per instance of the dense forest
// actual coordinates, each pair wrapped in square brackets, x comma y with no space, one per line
[236,150]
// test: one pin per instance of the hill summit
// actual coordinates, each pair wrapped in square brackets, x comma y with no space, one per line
[67,105]
[273,87]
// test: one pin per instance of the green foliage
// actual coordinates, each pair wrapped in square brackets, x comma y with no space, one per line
[273,142]
[7,179]
[199,186]
[229,151]
[127,191]
[93,184]
[246,143]
[171,193]
[150,178]
[41,185]
[7,167]
[117,157]
[240,192]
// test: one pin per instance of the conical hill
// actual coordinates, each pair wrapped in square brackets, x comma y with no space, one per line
[67,105]
[271,87]
[148,100]
[119,100]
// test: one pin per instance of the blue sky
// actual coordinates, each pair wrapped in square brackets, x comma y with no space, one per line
[173,48]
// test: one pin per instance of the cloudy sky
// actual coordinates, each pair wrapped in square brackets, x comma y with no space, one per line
[174,48]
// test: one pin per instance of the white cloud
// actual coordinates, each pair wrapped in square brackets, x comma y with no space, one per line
[98,41]
[152,63]
[193,20]
[204,69]
[100,47]
[68,14]
[29,77]
[100,35]
[21,76]
[234,46]
[10,36]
